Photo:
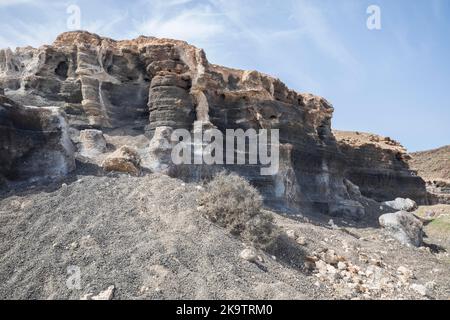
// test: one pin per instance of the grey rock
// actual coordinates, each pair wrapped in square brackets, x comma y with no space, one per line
[404,227]
[401,204]
[249,255]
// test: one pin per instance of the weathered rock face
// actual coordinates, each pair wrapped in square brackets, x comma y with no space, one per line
[149,87]
[379,166]
[34,142]
[148,83]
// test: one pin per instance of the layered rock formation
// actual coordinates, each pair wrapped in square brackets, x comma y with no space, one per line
[379,166]
[434,167]
[145,88]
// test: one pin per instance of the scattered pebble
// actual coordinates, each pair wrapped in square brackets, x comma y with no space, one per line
[249,255]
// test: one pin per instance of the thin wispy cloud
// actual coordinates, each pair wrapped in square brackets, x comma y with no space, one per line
[314,25]
[6,3]
[198,24]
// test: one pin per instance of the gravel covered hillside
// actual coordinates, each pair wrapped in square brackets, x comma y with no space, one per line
[144,239]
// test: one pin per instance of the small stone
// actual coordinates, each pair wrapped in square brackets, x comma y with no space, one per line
[420,289]
[430,285]
[332,224]
[309,265]
[342,266]
[363,258]
[292,234]
[331,257]
[144,289]
[87,296]
[74,245]
[332,271]
[405,272]
[249,255]
[301,241]
[108,294]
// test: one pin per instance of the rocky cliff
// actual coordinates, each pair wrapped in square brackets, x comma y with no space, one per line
[434,167]
[136,92]
[380,167]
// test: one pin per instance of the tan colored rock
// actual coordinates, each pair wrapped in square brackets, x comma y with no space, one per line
[124,160]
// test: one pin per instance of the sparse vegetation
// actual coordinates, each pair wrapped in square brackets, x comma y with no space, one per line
[232,203]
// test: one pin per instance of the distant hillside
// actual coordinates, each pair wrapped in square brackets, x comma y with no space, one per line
[432,164]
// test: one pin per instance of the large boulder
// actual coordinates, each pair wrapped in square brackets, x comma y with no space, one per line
[125,160]
[401,204]
[404,227]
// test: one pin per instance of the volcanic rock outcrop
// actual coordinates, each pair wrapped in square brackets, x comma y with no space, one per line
[136,90]
[380,167]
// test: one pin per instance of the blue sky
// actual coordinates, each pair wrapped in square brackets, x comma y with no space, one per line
[394,81]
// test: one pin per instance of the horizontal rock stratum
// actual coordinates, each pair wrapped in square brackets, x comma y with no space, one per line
[137,91]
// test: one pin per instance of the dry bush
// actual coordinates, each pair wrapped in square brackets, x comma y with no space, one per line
[232,203]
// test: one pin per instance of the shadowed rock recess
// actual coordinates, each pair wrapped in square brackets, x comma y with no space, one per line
[137,91]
